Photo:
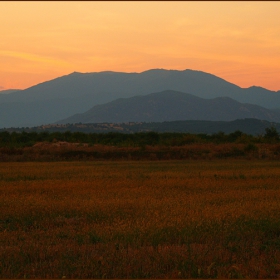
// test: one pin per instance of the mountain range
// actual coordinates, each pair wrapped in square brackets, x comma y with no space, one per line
[171,106]
[76,93]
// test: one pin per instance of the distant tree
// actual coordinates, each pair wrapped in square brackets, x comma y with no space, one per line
[232,137]
[271,133]
[5,137]
[219,137]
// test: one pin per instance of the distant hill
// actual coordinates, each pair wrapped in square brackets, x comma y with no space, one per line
[248,126]
[172,106]
[77,92]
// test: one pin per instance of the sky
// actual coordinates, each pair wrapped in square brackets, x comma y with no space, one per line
[238,41]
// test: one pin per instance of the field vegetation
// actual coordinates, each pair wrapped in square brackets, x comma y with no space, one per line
[61,146]
[208,218]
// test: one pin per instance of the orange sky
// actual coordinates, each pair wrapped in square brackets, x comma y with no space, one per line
[237,41]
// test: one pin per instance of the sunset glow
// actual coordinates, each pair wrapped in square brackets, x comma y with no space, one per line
[237,41]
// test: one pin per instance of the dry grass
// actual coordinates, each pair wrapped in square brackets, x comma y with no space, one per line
[64,151]
[173,219]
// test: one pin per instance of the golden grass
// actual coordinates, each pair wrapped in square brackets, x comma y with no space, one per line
[173,219]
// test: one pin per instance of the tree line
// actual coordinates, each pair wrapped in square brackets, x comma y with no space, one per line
[139,139]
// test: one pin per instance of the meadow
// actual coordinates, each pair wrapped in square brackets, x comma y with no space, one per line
[140,219]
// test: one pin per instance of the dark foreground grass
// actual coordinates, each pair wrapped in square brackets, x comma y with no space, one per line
[175,219]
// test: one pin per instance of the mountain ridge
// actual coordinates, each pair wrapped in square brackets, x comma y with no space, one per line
[78,92]
[171,105]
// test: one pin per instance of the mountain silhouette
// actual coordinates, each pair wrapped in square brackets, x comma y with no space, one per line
[171,106]
[75,93]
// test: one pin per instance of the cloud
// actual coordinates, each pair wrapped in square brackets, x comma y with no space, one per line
[33,57]
[1,88]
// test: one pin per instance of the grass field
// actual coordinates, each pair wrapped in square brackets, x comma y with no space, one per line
[148,219]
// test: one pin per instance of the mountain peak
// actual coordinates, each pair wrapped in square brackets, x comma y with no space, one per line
[75,73]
